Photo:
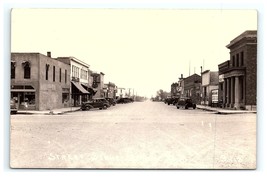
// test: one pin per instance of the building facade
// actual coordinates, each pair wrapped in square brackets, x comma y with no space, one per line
[80,89]
[174,90]
[238,76]
[98,84]
[110,90]
[39,82]
[209,85]
[192,86]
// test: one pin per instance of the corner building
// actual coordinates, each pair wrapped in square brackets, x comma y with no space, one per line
[39,81]
[238,76]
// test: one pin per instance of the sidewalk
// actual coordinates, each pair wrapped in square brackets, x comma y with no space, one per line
[48,112]
[223,111]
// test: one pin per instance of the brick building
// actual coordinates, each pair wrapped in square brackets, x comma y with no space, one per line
[110,90]
[192,86]
[210,82]
[174,89]
[238,76]
[98,84]
[39,82]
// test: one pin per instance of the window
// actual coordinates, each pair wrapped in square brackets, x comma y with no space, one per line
[27,70]
[59,74]
[46,71]
[242,59]
[13,68]
[237,59]
[233,61]
[65,76]
[54,78]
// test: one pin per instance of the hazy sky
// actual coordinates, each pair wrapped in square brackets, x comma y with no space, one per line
[136,48]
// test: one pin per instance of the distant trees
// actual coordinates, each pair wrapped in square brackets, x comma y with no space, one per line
[161,95]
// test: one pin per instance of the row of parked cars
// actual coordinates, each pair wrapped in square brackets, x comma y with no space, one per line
[180,102]
[104,103]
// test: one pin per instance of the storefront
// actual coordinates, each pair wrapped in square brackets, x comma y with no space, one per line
[25,96]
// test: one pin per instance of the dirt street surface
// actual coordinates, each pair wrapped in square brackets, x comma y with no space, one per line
[134,135]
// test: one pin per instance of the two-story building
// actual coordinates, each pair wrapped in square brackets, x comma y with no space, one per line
[98,84]
[39,82]
[238,76]
[192,86]
[110,90]
[81,90]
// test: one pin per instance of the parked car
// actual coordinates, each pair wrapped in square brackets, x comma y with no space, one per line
[100,103]
[124,100]
[111,101]
[170,101]
[13,106]
[186,103]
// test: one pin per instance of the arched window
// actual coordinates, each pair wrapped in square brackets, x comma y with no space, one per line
[27,69]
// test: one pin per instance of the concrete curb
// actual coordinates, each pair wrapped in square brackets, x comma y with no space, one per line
[47,112]
[216,111]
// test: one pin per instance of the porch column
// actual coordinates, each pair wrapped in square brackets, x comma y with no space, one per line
[232,91]
[224,92]
[228,96]
[237,93]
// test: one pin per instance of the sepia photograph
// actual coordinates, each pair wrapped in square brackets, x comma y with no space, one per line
[99,88]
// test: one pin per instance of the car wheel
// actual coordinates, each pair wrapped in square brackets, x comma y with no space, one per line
[194,106]
[104,107]
[186,107]
[87,108]
[178,107]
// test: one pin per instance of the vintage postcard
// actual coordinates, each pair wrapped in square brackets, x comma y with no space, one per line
[133,89]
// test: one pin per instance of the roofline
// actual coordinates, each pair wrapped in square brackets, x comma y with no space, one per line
[248,33]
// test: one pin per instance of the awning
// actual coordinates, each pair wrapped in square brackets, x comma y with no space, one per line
[94,89]
[80,87]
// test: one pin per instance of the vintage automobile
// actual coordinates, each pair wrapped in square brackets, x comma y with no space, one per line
[186,103]
[111,101]
[125,100]
[100,103]
[13,106]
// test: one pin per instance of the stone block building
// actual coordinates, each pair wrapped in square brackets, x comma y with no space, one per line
[39,82]
[238,76]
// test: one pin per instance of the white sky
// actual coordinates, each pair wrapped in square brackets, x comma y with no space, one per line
[142,49]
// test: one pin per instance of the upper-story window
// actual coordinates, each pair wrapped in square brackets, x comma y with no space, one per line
[54,73]
[237,59]
[46,71]
[59,74]
[242,59]
[13,69]
[84,74]
[75,71]
[27,69]
[233,60]
[65,76]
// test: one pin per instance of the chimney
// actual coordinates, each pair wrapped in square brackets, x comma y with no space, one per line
[49,54]
[200,69]
[181,76]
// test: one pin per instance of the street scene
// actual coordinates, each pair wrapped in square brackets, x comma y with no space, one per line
[134,135]
[138,89]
